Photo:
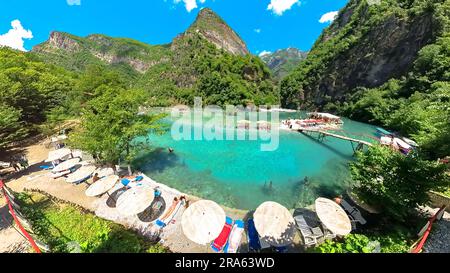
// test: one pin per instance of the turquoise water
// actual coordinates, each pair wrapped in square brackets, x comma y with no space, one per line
[234,173]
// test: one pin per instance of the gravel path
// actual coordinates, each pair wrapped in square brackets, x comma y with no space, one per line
[439,240]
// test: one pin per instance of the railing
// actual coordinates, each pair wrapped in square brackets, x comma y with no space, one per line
[16,220]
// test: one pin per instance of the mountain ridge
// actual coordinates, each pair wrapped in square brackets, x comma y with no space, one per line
[209,59]
[283,61]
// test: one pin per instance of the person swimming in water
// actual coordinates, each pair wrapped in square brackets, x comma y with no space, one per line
[171,150]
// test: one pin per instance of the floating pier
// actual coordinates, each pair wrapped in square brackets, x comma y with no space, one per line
[322,134]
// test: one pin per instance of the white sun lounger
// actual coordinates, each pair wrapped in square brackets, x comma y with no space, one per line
[235,238]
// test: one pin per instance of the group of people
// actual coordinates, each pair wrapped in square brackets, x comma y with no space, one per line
[19,163]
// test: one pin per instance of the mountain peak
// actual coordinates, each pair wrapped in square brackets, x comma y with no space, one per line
[214,29]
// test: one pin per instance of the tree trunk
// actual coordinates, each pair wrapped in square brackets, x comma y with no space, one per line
[129,170]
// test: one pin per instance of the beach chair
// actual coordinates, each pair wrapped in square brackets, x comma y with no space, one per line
[354,213]
[164,221]
[254,245]
[220,242]
[309,238]
[46,167]
[235,237]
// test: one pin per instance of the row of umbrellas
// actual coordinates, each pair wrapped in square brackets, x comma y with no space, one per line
[203,221]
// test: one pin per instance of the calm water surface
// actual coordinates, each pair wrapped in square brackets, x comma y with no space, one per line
[234,173]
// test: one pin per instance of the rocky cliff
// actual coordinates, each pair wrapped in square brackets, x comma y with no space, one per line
[209,59]
[368,44]
[215,30]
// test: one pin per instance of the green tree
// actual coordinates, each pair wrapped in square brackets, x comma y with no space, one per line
[11,128]
[394,182]
[111,124]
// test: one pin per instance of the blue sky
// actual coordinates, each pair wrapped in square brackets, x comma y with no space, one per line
[265,25]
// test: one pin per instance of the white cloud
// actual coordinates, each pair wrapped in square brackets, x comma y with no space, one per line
[14,37]
[190,4]
[73,2]
[328,17]
[280,6]
[264,53]
[258,30]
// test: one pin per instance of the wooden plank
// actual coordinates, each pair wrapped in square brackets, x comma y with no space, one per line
[337,136]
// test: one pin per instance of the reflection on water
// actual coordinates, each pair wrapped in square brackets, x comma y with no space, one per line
[238,174]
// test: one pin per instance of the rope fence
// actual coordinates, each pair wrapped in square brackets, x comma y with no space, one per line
[12,211]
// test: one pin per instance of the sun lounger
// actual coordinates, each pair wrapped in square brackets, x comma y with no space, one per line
[264,244]
[164,221]
[220,241]
[353,212]
[46,167]
[235,237]
[61,174]
[309,237]
[254,244]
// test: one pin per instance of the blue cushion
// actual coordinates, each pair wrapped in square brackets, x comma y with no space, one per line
[139,178]
[125,182]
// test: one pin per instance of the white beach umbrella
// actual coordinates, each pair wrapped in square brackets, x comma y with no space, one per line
[102,172]
[102,186]
[135,200]
[274,224]
[333,216]
[81,174]
[66,165]
[58,154]
[203,221]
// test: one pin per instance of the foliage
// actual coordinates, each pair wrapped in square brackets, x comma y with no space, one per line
[58,224]
[353,243]
[395,182]
[111,122]
[417,105]
[11,128]
[397,242]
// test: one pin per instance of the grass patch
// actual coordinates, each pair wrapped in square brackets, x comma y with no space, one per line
[57,224]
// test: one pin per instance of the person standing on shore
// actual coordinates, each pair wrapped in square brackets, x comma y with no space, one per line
[15,164]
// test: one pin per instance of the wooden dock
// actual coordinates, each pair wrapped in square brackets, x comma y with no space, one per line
[322,134]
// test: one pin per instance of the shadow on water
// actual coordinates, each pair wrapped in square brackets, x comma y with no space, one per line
[155,210]
[157,160]
[348,157]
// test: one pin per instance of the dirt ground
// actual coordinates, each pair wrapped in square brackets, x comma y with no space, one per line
[11,241]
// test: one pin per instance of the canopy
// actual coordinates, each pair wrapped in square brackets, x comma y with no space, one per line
[203,221]
[58,154]
[135,200]
[274,224]
[81,174]
[102,186]
[66,165]
[333,217]
[325,115]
